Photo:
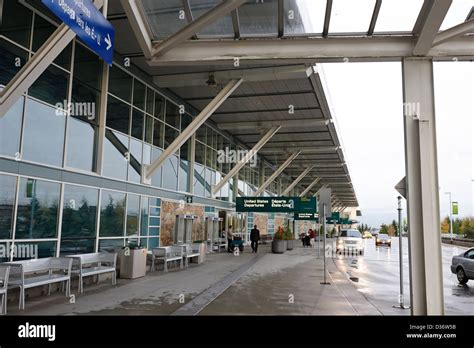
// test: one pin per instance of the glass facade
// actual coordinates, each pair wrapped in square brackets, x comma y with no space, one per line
[55,124]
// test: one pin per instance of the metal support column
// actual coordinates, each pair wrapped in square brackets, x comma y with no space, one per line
[310,187]
[426,277]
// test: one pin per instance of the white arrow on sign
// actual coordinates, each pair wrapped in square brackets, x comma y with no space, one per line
[108,42]
[401,187]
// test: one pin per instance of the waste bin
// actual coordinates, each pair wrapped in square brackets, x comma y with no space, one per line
[132,263]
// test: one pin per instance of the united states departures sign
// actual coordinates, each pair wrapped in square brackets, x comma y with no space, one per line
[276,204]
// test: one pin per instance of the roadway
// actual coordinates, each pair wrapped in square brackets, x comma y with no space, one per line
[376,275]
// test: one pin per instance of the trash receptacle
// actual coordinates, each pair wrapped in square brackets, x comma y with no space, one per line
[132,263]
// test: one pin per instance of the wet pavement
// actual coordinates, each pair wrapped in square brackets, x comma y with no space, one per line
[262,284]
[376,276]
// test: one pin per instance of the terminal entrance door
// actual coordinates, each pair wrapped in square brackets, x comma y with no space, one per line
[183,229]
[213,233]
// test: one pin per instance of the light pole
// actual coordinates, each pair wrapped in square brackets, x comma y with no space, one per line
[400,251]
[450,215]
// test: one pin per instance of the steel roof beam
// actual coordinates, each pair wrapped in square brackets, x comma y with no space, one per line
[198,121]
[453,32]
[430,24]
[296,181]
[140,27]
[290,123]
[276,173]
[305,192]
[195,26]
[270,133]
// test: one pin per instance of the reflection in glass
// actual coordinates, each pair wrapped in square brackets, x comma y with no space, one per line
[17,25]
[7,204]
[118,115]
[183,175]
[43,140]
[9,53]
[10,129]
[144,216]
[170,173]
[111,245]
[45,249]
[51,87]
[172,115]
[139,91]
[157,175]
[149,129]
[80,145]
[38,207]
[79,220]
[159,111]
[134,167]
[112,214]
[137,123]
[115,155]
[199,179]
[150,101]
[170,135]
[158,130]
[133,215]
[42,32]
[120,84]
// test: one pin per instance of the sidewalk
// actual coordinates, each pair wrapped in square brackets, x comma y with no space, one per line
[249,284]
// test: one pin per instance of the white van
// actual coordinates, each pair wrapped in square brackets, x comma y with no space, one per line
[350,241]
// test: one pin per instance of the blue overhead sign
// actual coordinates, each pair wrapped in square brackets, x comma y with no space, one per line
[88,23]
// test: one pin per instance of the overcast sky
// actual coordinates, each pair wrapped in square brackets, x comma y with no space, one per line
[366,100]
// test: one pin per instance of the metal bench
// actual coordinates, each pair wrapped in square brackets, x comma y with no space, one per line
[190,251]
[86,265]
[38,272]
[4,272]
[167,254]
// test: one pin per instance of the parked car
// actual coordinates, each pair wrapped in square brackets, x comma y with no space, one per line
[350,240]
[367,235]
[383,239]
[463,266]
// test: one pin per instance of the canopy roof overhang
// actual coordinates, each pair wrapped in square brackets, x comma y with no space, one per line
[182,56]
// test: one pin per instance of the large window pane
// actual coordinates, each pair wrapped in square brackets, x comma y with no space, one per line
[134,166]
[304,16]
[222,27]
[137,123]
[199,179]
[172,115]
[79,219]
[38,206]
[118,115]
[392,19]
[111,245]
[133,215]
[159,111]
[115,155]
[139,91]
[43,140]
[87,67]
[10,129]
[81,145]
[144,216]
[259,18]
[112,214]
[7,204]
[42,32]
[120,84]
[165,17]
[170,135]
[12,59]
[51,87]
[17,24]
[349,16]
[183,175]
[170,173]
[158,130]
[157,176]
[150,101]
[148,130]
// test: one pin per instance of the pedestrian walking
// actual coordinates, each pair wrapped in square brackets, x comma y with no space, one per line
[254,238]
[230,238]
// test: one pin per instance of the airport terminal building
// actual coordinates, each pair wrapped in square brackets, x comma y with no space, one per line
[74,147]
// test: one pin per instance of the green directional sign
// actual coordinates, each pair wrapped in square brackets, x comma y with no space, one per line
[276,204]
[455,208]
[307,216]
